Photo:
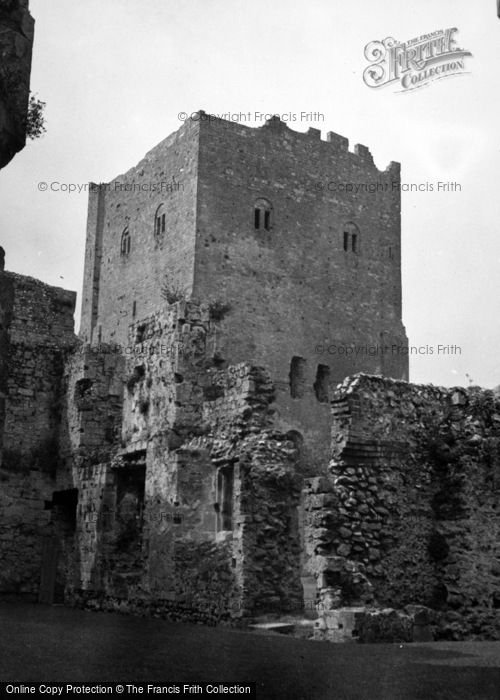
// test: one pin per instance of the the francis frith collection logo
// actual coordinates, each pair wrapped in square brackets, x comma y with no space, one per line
[414,63]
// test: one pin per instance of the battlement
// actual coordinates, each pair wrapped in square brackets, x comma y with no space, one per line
[333,144]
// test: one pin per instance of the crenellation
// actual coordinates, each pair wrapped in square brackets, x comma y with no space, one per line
[340,142]
[363,152]
[314,133]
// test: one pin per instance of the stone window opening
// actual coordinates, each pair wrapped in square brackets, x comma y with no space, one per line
[225,493]
[321,384]
[82,389]
[136,377]
[298,442]
[125,242]
[63,506]
[159,223]
[297,377]
[263,215]
[130,490]
[351,238]
[140,333]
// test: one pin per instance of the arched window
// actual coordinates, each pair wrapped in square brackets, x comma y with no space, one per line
[263,210]
[125,242]
[159,220]
[351,238]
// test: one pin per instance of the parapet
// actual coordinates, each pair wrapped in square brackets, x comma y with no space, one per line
[336,142]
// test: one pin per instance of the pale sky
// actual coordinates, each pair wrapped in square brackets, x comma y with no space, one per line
[116,73]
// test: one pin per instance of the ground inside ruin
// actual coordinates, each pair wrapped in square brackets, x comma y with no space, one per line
[43,643]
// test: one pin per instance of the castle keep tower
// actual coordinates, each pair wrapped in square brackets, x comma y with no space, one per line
[196,455]
[283,228]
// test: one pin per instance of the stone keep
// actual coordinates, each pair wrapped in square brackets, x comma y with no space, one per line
[267,223]
[193,456]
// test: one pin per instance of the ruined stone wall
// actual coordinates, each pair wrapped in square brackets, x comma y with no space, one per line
[184,419]
[121,287]
[16,43]
[409,511]
[36,334]
[90,433]
[38,330]
[92,416]
[187,494]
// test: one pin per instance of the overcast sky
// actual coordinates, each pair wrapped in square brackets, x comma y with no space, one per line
[116,73]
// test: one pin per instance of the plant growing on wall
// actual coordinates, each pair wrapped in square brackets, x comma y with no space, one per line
[218,309]
[172,292]
[35,121]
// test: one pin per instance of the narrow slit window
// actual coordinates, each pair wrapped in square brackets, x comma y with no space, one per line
[351,238]
[297,377]
[321,385]
[263,214]
[159,221]
[125,242]
[225,490]
[267,219]
[257,218]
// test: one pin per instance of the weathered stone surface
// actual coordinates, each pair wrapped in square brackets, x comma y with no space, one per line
[184,564]
[385,626]
[36,332]
[429,532]
[16,43]
[341,625]
[287,298]
[180,462]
